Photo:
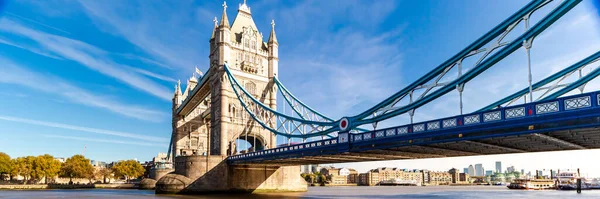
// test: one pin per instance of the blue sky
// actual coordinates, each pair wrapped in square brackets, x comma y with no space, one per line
[100,74]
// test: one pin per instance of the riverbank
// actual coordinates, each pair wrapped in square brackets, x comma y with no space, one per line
[370,192]
[66,186]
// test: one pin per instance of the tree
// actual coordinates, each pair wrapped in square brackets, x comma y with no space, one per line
[103,173]
[77,167]
[130,169]
[46,166]
[312,177]
[5,165]
[23,166]
[321,178]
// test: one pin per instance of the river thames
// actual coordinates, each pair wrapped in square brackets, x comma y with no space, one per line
[320,192]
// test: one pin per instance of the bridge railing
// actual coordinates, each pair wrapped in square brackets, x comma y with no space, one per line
[570,103]
[288,149]
[541,108]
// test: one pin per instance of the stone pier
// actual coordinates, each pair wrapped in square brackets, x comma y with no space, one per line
[202,174]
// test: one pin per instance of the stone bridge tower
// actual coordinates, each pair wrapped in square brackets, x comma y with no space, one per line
[208,118]
[254,62]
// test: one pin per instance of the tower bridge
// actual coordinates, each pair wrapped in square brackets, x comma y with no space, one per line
[237,99]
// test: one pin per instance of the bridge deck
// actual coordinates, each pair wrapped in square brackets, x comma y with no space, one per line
[568,123]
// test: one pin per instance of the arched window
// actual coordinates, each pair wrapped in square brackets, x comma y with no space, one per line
[251,88]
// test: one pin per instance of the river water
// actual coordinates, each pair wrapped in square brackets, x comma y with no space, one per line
[320,192]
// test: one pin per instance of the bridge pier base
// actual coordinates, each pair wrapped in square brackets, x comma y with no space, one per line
[212,174]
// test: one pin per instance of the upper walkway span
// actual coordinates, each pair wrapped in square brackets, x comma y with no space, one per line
[567,123]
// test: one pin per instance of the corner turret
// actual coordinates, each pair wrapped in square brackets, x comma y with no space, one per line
[177,97]
[273,46]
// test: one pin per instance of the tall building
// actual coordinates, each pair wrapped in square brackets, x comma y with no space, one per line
[214,120]
[466,170]
[498,167]
[522,171]
[489,173]
[479,170]
[471,171]
[510,169]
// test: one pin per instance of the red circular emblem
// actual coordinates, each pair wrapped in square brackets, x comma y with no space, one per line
[344,123]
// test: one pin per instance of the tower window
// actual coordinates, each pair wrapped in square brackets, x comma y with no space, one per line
[251,88]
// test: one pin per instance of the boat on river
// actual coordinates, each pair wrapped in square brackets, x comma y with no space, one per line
[532,184]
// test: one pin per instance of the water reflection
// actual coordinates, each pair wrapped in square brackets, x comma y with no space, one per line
[318,193]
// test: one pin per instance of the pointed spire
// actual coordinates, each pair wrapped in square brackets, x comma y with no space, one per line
[214,29]
[273,37]
[193,78]
[178,88]
[224,20]
[243,7]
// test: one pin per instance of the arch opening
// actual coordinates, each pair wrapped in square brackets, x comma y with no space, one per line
[247,143]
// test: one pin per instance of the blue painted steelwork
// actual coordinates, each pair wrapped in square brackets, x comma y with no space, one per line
[574,85]
[290,99]
[544,23]
[302,110]
[478,44]
[273,114]
[545,81]
[542,116]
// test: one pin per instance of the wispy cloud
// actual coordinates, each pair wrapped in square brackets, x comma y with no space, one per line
[37,22]
[103,140]
[87,55]
[30,49]
[85,129]
[174,38]
[19,95]
[15,74]
[153,75]
[145,60]
[350,68]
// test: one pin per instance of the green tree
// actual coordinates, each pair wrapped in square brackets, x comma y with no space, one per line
[77,167]
[5,165]
[46,166]
[103,173]
[23,166]
[130,169]
[312,178]
[321,178]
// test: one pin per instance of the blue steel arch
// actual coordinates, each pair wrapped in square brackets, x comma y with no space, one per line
[242,95]
[590,59]
[544,23]
[478,44]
